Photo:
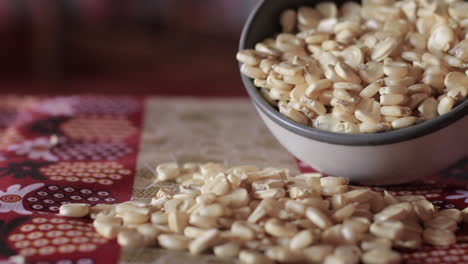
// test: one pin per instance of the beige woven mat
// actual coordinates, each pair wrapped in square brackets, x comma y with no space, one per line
[191,129]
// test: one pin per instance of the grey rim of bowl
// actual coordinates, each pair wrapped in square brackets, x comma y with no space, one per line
[383,138]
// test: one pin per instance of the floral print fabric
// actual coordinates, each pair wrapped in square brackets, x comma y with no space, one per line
[47,158]
[58,150]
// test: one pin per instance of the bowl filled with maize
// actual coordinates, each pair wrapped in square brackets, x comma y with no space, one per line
[373,91]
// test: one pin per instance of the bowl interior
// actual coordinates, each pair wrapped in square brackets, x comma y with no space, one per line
[263,23]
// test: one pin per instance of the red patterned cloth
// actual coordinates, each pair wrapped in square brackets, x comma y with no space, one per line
[84,149]
[61,150]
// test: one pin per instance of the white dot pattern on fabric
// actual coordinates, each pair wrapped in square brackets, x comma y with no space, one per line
[79,150]
[58,235]
[47,199]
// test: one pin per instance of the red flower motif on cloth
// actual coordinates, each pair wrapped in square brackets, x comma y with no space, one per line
[48,126]
[99,128]
[12,199]
[57,106]
[45,236]
[38,148]
[71,105]
[11,115]
[11,260]
[88,172]
[461,194]
[114,105]
[21,170]
[7,116]
[98,137]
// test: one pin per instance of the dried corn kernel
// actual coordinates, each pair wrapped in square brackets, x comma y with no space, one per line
[277,217]
[74,210]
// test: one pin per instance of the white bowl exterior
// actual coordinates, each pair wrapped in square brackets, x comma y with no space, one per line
[382,164]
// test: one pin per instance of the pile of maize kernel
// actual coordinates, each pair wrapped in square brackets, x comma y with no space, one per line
[265,215]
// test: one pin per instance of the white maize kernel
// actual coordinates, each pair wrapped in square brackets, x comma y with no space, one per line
[276,228]
[173,242]
[203,241]
[288,20]
[395,69]
[404,122]
[381,256]
[131,239]
[439,237]
[317,217]
[202,221]
[177,221]
[303,239]
[317,86]
[168,171]
[395,110]
[344,212]
[252,257]
[393,99]
[465,215]
[149,232]
[445,105]
[74,210]
[394,212]
[107,229]
[428,108]
[283,254]
[333,181]
[388,229]
[370,90]
[317,253]
[228,250]
[452,213]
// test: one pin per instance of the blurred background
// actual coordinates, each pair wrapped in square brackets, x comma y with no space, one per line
[172,47]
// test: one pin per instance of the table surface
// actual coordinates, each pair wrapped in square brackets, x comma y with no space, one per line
[104,147]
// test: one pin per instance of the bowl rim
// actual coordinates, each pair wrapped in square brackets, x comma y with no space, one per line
[382,138]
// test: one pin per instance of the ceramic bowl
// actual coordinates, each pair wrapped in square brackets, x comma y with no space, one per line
[392,157]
